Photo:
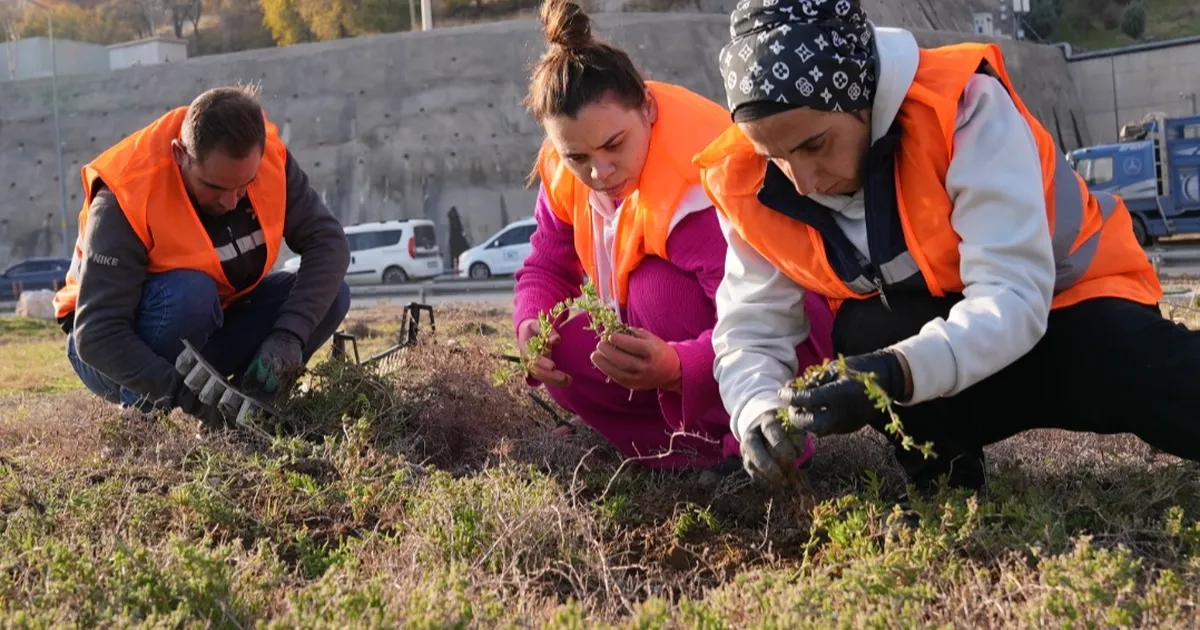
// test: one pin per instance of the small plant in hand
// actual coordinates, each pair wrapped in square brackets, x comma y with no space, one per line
[817,373]
[604,321]
[536,347]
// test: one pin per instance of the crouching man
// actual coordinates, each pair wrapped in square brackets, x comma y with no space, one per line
[181,224]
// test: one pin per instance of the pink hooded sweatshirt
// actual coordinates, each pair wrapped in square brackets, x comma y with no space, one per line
[674,300]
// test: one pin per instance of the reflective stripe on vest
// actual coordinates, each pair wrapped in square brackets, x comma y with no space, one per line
[1068,223]
[246,243]
[900,268]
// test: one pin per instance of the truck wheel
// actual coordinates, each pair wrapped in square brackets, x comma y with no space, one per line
[1139,232]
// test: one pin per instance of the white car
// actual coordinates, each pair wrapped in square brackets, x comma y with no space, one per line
[389,252]
[500,255]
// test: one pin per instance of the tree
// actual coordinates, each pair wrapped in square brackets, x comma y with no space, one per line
[284,21]
[1043,17]
[116,21]
[1110,18]
[1078,17]
[239,25]
[326,19]
[382,16]
[1133,20]
[294,21]
[70,22]
[10,21]
[181,12]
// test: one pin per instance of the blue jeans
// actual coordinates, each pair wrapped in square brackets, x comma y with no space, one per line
[183,304]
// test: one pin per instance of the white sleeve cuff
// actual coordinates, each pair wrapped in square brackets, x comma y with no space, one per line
[931,364]
[758,404]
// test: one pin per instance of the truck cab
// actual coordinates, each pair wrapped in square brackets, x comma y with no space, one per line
[1155,169]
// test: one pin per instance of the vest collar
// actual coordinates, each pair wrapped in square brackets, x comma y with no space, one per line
[884,231]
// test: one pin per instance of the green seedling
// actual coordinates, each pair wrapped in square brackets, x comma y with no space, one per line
[603,320]
[815,373]
[537,346]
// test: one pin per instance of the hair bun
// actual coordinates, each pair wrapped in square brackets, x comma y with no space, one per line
[565,24]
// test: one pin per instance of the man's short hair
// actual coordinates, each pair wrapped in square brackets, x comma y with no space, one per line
[227,118]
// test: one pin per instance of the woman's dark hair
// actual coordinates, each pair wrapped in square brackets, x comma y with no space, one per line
[577,69]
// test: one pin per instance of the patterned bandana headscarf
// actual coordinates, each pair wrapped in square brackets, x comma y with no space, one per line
[799,53]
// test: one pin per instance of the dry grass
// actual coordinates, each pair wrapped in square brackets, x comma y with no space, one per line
[33,359]
[421,496]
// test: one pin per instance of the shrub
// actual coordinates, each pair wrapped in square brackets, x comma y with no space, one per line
[1133,20]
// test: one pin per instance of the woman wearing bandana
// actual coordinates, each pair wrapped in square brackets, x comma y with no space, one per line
[970,269]
[621,202]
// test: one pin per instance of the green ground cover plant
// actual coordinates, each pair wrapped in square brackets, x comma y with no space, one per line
[422,496]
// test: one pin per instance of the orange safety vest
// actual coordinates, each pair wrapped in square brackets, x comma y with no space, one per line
[1096,253]
[686,123]
[142,173]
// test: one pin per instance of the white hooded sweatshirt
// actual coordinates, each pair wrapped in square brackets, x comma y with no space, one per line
[1007,265]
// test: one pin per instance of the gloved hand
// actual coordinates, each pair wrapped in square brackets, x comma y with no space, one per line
[769,451]
[279,358]
[838,403]
[190,403]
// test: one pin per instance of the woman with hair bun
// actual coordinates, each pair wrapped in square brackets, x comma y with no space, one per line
[970,268]
[620,202]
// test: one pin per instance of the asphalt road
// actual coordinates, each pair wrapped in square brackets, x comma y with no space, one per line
[494,298]
[439,291]
[1177,259]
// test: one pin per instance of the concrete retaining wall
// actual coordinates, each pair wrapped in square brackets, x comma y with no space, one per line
[1152,78]
[389,126]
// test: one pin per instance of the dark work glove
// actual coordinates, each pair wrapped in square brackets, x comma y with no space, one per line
[279,358]
[839,404]
[769,451]
[190,403]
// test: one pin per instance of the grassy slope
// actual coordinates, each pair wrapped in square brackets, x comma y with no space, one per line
[432,499]
[1165,19]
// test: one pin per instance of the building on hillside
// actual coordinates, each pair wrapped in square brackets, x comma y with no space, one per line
[30,58]
[984,24]
[146,52]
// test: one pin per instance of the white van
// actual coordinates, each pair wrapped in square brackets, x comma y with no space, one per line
[501,254]
[389,252]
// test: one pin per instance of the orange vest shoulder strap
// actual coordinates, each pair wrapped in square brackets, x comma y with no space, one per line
[942,75]
[732,174]
[928,116]
[732,152]
[566,195]
[135,156]
[558,181]
[686,123]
